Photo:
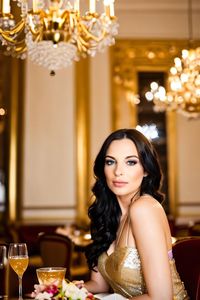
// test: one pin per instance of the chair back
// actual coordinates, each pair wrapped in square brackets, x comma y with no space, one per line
[186,253]
[56,251]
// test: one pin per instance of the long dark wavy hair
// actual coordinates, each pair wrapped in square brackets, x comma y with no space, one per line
[105,211]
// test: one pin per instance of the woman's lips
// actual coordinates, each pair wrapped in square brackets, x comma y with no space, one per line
[119,183]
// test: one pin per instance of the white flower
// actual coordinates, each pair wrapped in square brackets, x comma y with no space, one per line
[43,296]
[73,292]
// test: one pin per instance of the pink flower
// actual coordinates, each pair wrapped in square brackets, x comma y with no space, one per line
[52,289]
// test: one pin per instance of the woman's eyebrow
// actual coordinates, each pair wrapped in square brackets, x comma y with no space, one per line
[127,157]
[109,156]
[132,156]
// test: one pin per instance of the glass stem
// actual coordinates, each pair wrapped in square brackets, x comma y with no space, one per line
[20,288]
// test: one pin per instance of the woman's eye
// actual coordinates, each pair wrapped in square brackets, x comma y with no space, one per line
[131,162]
[109,162]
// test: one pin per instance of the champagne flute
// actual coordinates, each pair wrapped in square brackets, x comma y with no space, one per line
[18,259]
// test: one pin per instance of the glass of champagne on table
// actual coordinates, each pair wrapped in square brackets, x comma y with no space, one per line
[18,260]
[50,275]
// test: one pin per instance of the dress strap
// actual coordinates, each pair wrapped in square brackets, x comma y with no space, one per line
[128,229]
[127,217]
[121,230]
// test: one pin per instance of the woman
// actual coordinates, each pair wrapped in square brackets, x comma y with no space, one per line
[131,253]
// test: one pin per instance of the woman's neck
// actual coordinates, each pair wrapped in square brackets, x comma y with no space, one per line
[126,201]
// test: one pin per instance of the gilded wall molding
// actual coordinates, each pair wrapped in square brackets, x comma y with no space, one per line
[15,139]
[82,138]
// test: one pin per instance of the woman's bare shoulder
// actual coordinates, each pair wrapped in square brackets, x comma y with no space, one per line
[147,215]
[145,205]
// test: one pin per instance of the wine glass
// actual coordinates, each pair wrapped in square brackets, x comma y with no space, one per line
[18,259]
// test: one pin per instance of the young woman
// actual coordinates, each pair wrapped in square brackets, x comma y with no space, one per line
[131,253]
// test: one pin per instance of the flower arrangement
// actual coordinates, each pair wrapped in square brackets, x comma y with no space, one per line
[68,290]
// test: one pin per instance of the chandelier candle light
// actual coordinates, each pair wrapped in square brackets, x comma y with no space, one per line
[184,81]
[54,33]
[184,86]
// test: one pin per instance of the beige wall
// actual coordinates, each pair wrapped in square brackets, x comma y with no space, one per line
[156,18]
[188,149]
[49,181]
[100,112]
[49,185]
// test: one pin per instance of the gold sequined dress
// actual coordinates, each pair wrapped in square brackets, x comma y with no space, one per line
[122,270]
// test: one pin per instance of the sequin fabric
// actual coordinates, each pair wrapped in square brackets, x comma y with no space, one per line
[122,270]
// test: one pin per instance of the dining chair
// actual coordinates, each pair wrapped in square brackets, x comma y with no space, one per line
[186,253]
[57,250]
[194,229]
[3,269]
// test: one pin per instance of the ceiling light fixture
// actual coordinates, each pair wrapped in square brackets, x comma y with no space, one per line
[184,81]
[54,33]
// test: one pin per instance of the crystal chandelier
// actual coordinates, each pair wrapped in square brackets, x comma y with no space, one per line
[184,86]
[54,33]
[183,82]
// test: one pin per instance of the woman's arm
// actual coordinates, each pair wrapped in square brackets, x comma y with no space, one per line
[149,228]
[96,284]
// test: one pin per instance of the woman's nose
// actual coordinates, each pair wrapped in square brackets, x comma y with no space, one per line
[118,171]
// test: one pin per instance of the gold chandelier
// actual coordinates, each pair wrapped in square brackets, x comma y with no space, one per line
[54,33]
[184,81]
[184,86]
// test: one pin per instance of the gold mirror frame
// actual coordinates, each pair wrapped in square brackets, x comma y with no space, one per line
[128,57]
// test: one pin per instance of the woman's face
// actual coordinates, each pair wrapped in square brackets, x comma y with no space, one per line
[123,170]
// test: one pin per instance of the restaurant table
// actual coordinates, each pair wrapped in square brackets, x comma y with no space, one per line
[4,297]
[80,238]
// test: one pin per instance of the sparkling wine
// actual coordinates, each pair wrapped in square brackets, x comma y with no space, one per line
[19,264]
[50,275]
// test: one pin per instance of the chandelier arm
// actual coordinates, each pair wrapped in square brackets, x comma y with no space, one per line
[10,35]
[63,20]
[64,14]
[35,32]
[43,15]
[83,42]
[91,36]
[15,30]
[20,47]
[8,39]
[64,17]
[38,37]
[81,46]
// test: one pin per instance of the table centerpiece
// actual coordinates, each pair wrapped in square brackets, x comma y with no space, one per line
[67,291]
